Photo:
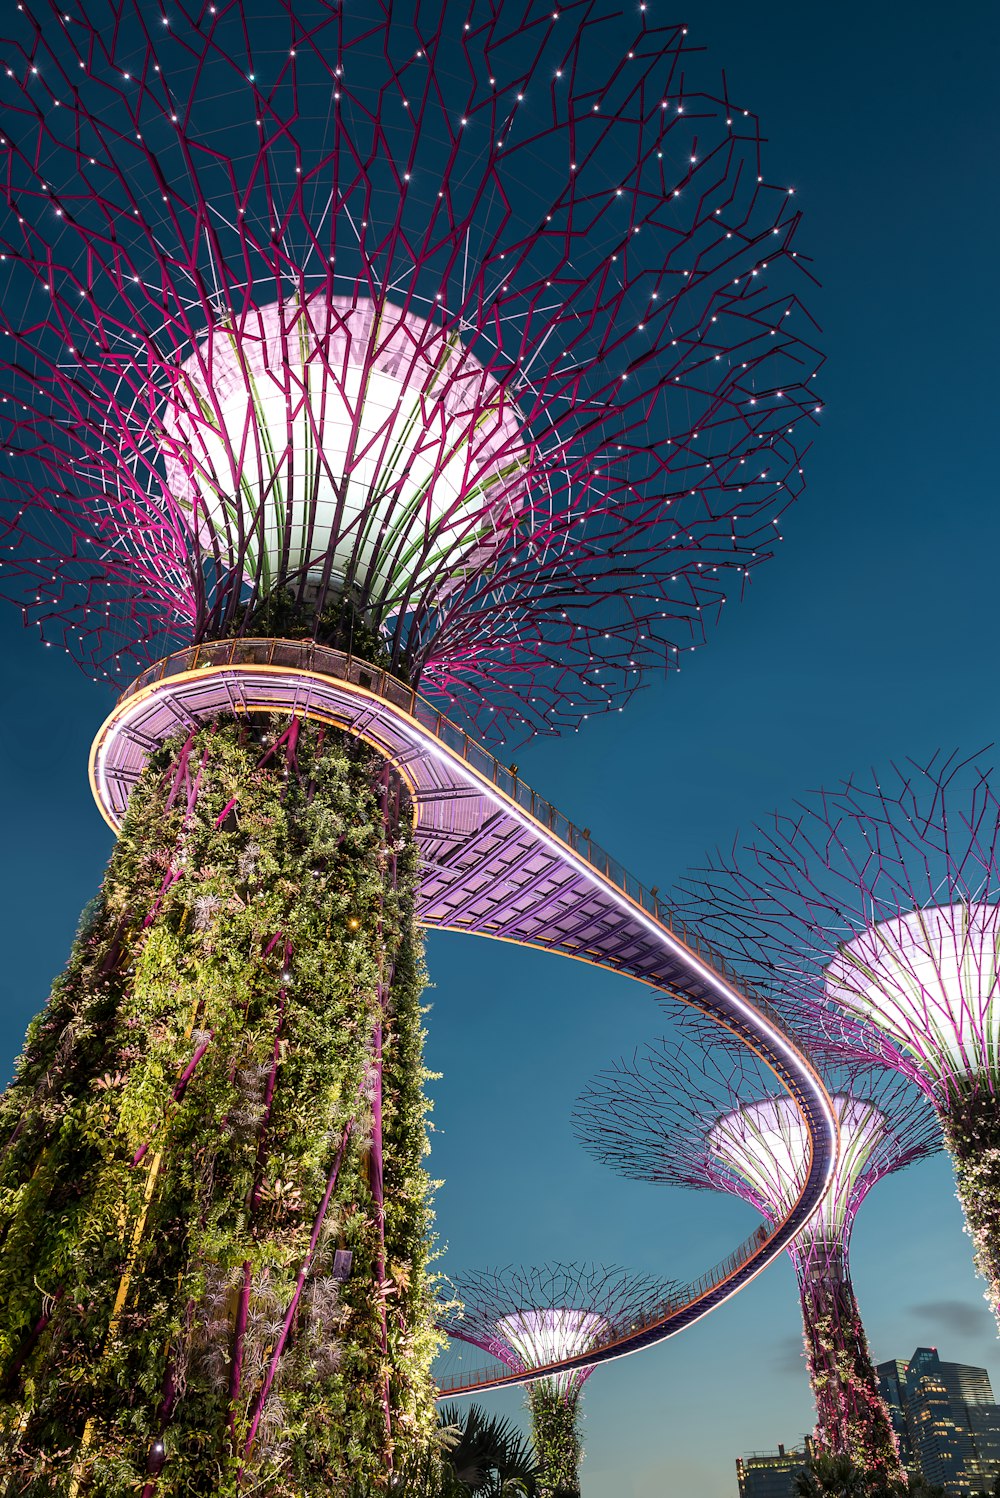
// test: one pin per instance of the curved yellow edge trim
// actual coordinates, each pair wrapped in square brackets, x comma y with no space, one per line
[204,672]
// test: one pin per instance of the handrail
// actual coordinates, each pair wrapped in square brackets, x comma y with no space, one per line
[341,665]
[658,1312]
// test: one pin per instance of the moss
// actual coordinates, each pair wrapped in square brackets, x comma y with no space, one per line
[201,1075]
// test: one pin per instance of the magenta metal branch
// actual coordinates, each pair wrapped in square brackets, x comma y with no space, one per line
[27,1346]
[377,1185]
[529,1317]
[876,908]
[191,788]
[534,442]
[179,1089]
[375,1159]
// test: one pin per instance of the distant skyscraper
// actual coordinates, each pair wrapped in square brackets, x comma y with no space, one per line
[946,1420]
[966,1384]
[892,1381]
[771,1474]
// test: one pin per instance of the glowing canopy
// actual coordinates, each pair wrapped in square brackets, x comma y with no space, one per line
[547,1335]
[929,980]
[766,1145]
[356,444]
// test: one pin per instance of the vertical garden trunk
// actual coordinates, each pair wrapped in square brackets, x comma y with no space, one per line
[971,1124]
[555,1432]
[851,1416]
[213,1212]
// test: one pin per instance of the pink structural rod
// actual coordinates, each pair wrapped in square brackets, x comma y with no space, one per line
[272,1367]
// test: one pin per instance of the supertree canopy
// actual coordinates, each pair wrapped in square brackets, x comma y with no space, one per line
[530,1318]
[467,332]
[692,1115]
[874,907]
[464,339]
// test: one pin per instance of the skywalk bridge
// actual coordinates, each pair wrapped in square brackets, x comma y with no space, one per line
[497,861]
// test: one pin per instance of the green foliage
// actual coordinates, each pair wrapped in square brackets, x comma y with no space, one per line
[341,624]
[202,1072]
[487,1453]
[833,1477]
[475,1456]
[556,1435]
[971,1123]
[839,1477]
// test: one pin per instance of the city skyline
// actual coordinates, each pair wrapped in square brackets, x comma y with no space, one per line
[791,692]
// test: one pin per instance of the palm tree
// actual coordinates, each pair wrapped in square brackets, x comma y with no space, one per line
[488,1454]
[833,1477]
[476,1456]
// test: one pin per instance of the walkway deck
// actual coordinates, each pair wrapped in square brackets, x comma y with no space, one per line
[498,861]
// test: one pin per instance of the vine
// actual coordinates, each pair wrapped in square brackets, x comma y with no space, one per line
[198,1291]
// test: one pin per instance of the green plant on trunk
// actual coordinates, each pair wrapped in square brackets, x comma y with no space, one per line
[475,1455]
[852,1420]
[556,1434]
[200,1290]
[970,1120]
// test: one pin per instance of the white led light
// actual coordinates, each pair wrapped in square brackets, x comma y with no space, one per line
[767,1145]
[551,1335]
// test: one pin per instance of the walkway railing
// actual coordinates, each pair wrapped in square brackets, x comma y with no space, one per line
[306,655]
[658,1312]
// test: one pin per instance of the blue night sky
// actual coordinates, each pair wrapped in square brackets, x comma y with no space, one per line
[870,636]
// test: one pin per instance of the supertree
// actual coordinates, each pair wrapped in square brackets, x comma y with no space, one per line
[532,1317]
[449,337]
[462,340]
[874,907]
[699,1115]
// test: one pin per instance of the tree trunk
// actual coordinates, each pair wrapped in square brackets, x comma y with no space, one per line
[971,1124]
[555,1432]
[199,1290]
[851,1416]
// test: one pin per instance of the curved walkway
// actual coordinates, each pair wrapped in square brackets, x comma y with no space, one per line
[497,861]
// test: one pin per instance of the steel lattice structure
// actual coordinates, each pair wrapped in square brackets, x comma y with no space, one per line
[702,1116]
[874,907]
[345,352]
[530,1318]
[479,327]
